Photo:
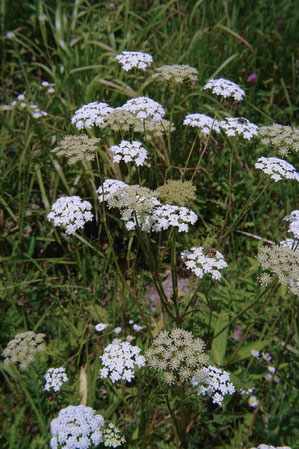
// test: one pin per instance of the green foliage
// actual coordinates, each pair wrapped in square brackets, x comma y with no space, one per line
[62,286]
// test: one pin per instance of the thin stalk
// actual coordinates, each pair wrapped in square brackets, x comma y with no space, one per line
[174,275]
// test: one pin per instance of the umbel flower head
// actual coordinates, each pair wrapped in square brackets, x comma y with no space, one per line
[71,212]
[202,261]
[239,126]
[144,108]
[91,114]
[119,361]
[177,192]
[176,73]
[177,355]
[283,261]
[203,122]
[110,186]
[77,148]
[77,427]
[134,202]
[55,377]
[278,169]
[112,436]
[168,215]
[23,349]
[123,120]
[131,59]
[215,383]
[293,218]
[284,138]
[129,152]
[225,88]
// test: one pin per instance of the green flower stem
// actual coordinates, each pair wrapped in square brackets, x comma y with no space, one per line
[175,298]
[175,422]
[189,155]
[263,306]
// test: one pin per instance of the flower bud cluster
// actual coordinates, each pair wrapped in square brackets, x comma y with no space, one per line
[23,349]
[112,436]
[176,73]
[284,138]
[77,148]
[177,355]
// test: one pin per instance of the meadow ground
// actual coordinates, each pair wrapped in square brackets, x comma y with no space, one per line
[60,55]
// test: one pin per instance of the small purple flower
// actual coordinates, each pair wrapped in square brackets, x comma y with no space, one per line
[252,79]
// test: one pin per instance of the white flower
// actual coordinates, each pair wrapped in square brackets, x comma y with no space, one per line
[290,243]
[246,392]
[110,186]
[91,114]
[21,97]
[144,108]
[217,384]
[130,338]
[10,35]
[277,168]
[51,90]
[71,212]
[77,427]
[55,377]
[117,330]
[255,353]
[203,122]
[225,88]
[204,260]
[129,152]
[265,446]
[168,215]
[253,402]
[239,125]
[119,361]
[266,356]
[294,223]
[100,327]
[130,59]
[137,327]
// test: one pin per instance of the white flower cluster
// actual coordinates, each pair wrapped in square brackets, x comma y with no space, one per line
[293,218]
[129,152]
[144,108]
[91,114]
[119,361]
[265,355]
[71,212]
[204,260]
[218,384]
[290,243]
[277,168]
[265,446]
[203,122]
[168,215]
[110,186]
[55,377]
[239,125]
[77,427]
[246,392]
[271,375]
[225,88]
[130,59]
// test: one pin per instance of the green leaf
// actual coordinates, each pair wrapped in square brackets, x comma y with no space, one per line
[97,313]
[219,344]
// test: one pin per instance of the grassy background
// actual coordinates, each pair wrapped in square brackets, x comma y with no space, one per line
[63,288]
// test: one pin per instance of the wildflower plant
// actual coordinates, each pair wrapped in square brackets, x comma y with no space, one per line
[203,122]
[225,88]
[214,382]
[177,192]
[238,126]
[90,115]
[278,169]
[23,349]
[203,261]
[134,59]
[284,138]
[112,436]
[129,152]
